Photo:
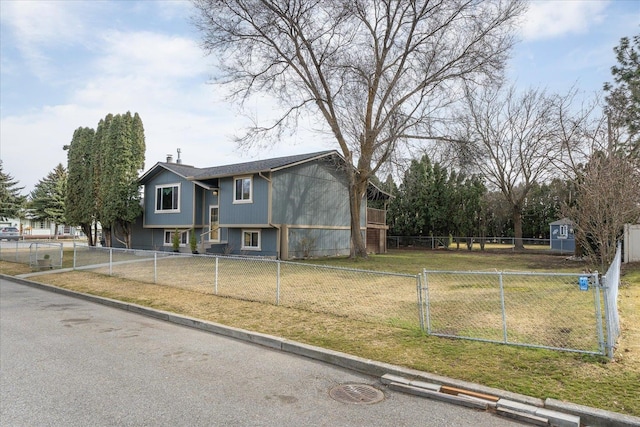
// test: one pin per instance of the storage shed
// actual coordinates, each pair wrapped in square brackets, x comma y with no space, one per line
[562,236]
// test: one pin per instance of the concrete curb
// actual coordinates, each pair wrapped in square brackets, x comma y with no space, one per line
[424,382]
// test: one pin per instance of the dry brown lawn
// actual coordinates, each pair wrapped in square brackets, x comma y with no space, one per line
[573,377]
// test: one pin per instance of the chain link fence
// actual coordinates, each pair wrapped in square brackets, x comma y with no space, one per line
[550,310]
[561,311]
[39,255]
[477,243]
[356,294]
[610,284]
[566,311]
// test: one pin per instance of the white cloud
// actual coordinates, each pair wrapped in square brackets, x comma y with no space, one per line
[37,26]
[548,19]
[151,54]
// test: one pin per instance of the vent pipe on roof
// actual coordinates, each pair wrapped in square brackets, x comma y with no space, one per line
[169,158]
[179,160]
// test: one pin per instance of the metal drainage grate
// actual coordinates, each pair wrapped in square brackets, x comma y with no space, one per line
[359,394]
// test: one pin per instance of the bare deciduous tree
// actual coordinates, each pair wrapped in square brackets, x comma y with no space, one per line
[374,72]
[508,137]
[608,196]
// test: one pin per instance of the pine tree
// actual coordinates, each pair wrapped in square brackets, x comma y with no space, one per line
[11,201]
[48,197]
[623,98]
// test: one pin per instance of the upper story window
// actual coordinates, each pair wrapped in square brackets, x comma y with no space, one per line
[168,198]
[243,189]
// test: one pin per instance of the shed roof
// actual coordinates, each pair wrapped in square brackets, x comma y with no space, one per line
[563,221]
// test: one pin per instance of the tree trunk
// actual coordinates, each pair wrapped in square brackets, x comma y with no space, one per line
[517,229]
[356,192]
[86,229]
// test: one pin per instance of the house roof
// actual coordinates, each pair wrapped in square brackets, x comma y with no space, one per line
[266,165]
[199,175]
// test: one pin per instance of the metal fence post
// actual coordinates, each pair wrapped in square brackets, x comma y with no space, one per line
[426,301]
[215,280]
[420,302]
[504,312]
[278,282]
[603,342]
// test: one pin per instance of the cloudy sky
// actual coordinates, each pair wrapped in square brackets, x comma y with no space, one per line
[66,64]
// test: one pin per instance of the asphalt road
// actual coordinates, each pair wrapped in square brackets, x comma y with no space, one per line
[69,362]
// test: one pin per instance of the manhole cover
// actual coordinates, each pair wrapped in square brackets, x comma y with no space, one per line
[359,394]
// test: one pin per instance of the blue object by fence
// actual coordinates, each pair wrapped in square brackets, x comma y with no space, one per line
[583,281]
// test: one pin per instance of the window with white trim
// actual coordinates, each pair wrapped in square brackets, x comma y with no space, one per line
[564,231]
[243,189]
[251,240]
[168,198]
[168,238]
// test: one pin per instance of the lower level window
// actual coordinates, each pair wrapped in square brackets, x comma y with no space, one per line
[168,238]
[251,239]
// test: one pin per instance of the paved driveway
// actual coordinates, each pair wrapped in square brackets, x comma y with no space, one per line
[69,362]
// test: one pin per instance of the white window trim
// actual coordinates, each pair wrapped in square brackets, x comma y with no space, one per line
[563,231]
[183,236]
[252,248]
[235,194]
[155,198]
[209,234]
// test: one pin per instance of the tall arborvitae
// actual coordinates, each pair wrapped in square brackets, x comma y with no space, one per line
[80,202]
[122,146]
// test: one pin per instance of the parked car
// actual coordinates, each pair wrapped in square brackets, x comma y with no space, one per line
[9,233]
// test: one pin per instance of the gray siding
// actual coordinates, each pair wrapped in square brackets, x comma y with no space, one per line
[310,194]
[563,244]
[255,212]
[233,246]
[305,242]
[173,219]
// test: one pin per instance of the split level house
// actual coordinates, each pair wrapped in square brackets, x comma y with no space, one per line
[287,207]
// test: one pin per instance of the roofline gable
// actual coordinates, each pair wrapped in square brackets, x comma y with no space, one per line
[199,175]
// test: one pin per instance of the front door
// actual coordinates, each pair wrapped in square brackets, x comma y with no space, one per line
[214,222]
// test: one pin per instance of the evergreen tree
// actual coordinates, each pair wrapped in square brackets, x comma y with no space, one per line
[48,197]
[11,201]
[103,176]
[122,147]
[623,97]
[432,201]
[80,201]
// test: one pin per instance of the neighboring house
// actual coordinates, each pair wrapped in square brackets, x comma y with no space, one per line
[44,229]
[562,236]
[287,207]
